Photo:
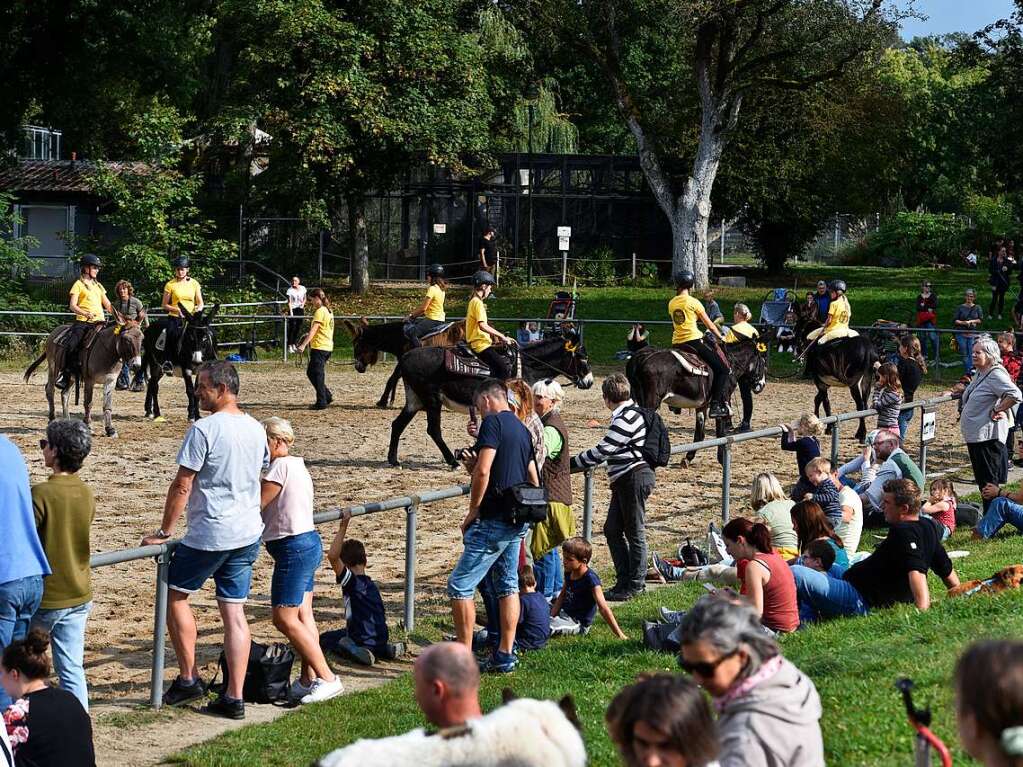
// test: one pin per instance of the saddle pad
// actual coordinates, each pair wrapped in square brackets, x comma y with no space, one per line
[442,329]
[691,363]
[457,364]
[60,337]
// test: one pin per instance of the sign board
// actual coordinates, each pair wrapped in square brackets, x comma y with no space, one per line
[440,228]
[564,231]
[928,427]
[562,243]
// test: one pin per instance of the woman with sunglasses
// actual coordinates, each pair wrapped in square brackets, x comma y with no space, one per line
[768,710]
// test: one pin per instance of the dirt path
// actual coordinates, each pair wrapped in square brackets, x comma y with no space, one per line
[344,448]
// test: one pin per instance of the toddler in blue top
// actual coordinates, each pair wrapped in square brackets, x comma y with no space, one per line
[582,596]
[534,614]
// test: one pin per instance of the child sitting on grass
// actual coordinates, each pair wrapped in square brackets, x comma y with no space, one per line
[581,596]
[534,614]
[825,492]
[364,638]
[819,555]
[941,506]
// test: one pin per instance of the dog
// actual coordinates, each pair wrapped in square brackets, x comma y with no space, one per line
[1007,578]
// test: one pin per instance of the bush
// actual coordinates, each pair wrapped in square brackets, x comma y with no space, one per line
[596,268]
[992,217]
[913,239]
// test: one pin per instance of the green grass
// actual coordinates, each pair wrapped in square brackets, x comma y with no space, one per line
[853,662]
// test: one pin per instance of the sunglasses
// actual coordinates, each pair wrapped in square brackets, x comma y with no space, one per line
[42,444]
[703,668]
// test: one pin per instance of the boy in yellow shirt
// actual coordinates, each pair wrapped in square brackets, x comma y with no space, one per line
[87,300]
[684,311]
[480,334]
[429,315]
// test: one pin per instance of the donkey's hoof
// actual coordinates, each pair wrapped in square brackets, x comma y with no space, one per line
[685,463]
[382,405]
[394,463]
[112,433]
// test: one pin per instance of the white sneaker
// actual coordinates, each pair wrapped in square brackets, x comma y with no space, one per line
[322,690]
[299,690]
[291,348]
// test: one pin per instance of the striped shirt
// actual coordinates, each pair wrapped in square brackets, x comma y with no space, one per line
[620,446]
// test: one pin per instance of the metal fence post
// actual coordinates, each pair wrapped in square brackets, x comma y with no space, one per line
[159,630]
[726,481]
[410,565]
[286,320]
[922,460]
[634,265]
[834,444]
[588,504]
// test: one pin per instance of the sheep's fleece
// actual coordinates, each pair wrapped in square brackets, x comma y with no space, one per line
[522,733]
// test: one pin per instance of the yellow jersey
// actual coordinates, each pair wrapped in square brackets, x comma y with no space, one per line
[435,311]
[183,293]
[740,331]
[684,311]
[323,340]
[90,298]
[839,314]
[476,313]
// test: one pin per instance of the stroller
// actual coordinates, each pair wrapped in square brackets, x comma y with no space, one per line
[772,314]
[560,314]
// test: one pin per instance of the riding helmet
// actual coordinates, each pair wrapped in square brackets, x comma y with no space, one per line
[684,279]
[89,260]
[483,278]
[181,262]
[838,286]
[435,270]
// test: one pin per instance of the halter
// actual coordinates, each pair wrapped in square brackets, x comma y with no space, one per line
[569,347]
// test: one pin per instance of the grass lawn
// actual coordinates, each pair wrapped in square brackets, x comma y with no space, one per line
[854,663]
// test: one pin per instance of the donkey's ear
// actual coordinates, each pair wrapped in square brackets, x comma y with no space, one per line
[213,312]
[507,696]
[567,706]
[121,319]
[350,326]
[364,322]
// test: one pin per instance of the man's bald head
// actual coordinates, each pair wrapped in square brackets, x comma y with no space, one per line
[885,444]
[447,681]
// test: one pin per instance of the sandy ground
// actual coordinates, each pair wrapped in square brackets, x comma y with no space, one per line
[345,448]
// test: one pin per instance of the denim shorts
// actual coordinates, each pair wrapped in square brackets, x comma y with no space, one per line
[488,543]
[296,558]
[231,570]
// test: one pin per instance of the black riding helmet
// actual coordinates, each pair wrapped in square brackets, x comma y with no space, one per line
[435,270]
[181,262]
[684,279]
[837,285]
[89,259]
[483,278]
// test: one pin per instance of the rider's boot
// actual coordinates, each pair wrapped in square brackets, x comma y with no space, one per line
[807,375]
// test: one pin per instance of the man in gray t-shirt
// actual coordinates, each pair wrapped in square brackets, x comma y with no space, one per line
[219,467]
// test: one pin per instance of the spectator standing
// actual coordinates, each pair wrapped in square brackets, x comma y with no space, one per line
[522,334]
[632,481]
[768,710]
[765,578]
[218,478]
[887,398]
[64,509]
[663,720]
[447,684]
[999,272]
[912,367]
[823,299]
[772,506]
[296,311]
[967,319]
[131,309]
[488,249]
[713,309]
[320,339]
[802,438]
[983,419]
[22,559]
[504,459]
[927,317]
[47,725]
[989,702]
[1012,361]
[287,502]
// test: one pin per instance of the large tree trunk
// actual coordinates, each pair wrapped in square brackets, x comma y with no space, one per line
[359,244]
[689,225]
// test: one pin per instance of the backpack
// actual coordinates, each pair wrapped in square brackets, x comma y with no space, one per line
[656,447]
[268,675]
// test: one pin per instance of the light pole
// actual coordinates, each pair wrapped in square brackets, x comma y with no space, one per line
[531,95]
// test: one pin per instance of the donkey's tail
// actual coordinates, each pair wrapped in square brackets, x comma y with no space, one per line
[34,365]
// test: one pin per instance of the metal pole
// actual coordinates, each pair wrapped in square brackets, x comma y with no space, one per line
[588,504]
[319,259]
[922,459]
[286,321]
[633,265]
[564,267]
[410,566]
[159,629]
[834,444]
[726,481]
[241,229]
[722,240]
[497,269]
[529,261]
[836,234]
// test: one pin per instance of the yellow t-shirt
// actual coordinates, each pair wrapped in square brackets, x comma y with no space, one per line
[839,314]
[683,311]
[435,311]
[324,339]
[90,298]
[183,293]
[476,313]
[740,331]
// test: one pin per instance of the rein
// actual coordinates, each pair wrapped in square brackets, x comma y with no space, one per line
[573,378]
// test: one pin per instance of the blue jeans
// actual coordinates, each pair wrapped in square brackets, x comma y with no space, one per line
[965,341]
[296,558]
[822,596]
[488,543]
[231,570]
[929,341]
[67,643]
[905,416]
[549,574]
[1000,512]
[18,602]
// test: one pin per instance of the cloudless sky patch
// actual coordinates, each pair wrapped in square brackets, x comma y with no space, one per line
[946,16]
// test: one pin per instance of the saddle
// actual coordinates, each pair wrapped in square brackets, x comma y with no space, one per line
[442,329]
[85,347]
[460,360]
[691,363]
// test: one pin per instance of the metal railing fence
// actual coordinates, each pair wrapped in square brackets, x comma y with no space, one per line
[411,504]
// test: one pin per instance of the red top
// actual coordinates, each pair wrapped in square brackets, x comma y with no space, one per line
[781,612]
[1012,361]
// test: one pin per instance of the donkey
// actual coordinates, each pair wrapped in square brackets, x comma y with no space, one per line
[664,375]
[368,341]
[429,385]
[111,347]
[197,344]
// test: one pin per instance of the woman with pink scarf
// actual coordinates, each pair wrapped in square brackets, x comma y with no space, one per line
[768,710]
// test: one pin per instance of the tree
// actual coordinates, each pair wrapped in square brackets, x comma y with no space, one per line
[727,51]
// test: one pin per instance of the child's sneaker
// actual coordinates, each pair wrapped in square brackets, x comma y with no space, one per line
[321,690]
[299,690]
[500,663]
[666,570]
[230,708]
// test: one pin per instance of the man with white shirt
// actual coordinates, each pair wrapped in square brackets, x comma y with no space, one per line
[897,465]
[296,310]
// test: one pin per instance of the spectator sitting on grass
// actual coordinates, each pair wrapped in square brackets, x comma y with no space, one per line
[365,636]
[765,578]
[811,524]
[534,614]
[581,596]
[447,684]
[819,555]
[851,528]
[786,334]
[64,509]
[1005,507]
[896,571]
[801,438]
[774,509]
[941,506]
[825,493]
[768,710]
[638,338]
[896,465]
[663,719]
[989,702]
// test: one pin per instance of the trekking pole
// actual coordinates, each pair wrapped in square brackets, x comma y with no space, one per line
[920,720]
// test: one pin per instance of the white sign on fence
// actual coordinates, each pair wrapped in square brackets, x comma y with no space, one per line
[440,228]
[562,243]
[564,231]
[929,429]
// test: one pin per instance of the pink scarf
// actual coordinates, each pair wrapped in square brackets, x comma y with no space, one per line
[766,671]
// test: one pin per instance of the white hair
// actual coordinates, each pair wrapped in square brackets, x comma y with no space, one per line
[989,346]
[279,428]
[550,389]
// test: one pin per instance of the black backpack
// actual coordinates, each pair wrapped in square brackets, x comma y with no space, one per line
[268,675]
[656,447]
